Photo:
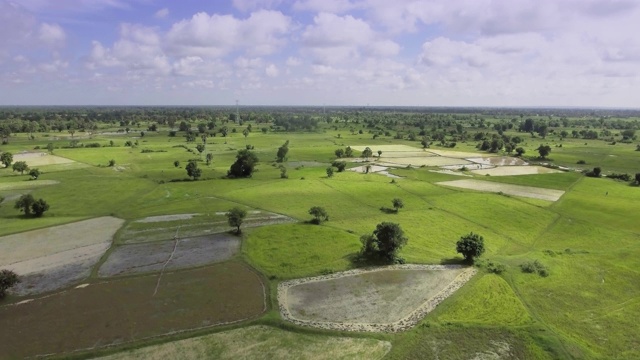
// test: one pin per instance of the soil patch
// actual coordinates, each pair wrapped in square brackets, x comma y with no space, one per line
[499,161]
[427,161]
[41,159]
[385,148]
[261,342]
[515,190]
[53,258]
[449,172]
[516,170]
[163,218]
[458,154]
[192,226]
[117,312]
[150,257]
[387,299]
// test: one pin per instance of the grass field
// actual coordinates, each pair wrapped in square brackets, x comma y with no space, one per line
[587,239]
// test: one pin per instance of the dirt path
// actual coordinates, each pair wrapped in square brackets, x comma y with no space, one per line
[401,325]
[175,246]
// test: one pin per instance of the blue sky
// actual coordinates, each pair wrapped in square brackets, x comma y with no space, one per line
[314,52]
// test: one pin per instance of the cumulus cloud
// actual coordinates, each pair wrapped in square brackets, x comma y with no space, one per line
[329,6]
[271,70]
[218,35]
[333,39]
[52,35]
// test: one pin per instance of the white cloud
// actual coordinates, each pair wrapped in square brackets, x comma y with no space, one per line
[271,71]
[293,61]
[218,35]
[162,13]
[52,35]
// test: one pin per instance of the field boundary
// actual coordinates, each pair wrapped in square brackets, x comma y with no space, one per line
[401,325]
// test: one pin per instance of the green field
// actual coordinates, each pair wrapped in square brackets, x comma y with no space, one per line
[588,240]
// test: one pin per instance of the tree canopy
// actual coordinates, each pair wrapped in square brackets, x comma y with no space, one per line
[470,246]
[244,165]
[6,159]
[235,217]
[319,214]
[193,170]
[385,242]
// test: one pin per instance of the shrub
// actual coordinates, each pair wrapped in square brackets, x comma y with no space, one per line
[7,279]
[534,267]
[495,268]
[581,162]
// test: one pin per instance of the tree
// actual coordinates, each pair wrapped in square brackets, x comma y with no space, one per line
[209,158]
[544,150]
[7,280]
[39,207]
[340,165]
[329,171]
[397,204]
[200,148]
[176,163]
[520,151]
[367,153]
[20,166]
[387,239]
[282,152]
[34,173]
[638,178]
[596,172]
[470,246]
[425,142]
[348,152]
[244,166]
[24,203]
[235,217]
[193,170]
[319,214]
[339,153]
[50,148]
[283,172]
[379,153]
[6,158]
[112,163]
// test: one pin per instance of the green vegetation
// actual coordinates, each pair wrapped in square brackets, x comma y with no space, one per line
[236,216]
[470,246]
[587,240]
[319,215]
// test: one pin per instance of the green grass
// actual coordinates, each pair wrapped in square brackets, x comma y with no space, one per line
[299,250]
[586,308]
[487,301]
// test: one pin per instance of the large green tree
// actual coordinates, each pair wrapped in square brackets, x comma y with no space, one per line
[470,246]
[283,150]
[6,159]
[20,166]
[544,150]
[385,242]
[193,170]
[27,204]
[244,165]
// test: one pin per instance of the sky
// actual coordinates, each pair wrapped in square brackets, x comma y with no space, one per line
[512,53]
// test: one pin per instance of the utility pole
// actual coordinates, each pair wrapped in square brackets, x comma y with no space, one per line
[237,113]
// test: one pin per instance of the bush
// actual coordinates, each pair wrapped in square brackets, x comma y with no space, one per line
[534,267]
[581,162]
[495,268]
[7,279]
[623,177]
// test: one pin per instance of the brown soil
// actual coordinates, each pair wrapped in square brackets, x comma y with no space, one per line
[121,311]
[515,190]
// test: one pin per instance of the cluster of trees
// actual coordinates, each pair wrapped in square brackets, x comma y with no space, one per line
[30,206]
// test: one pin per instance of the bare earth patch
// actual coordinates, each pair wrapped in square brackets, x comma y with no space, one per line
[261,342]
[152,256]
[51,258]
[385,148]
[516,170]
[458,154]
[515,190]
[386,299]
[450,172]
[499,161]
[41,159]
[427,161]
[162,218]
